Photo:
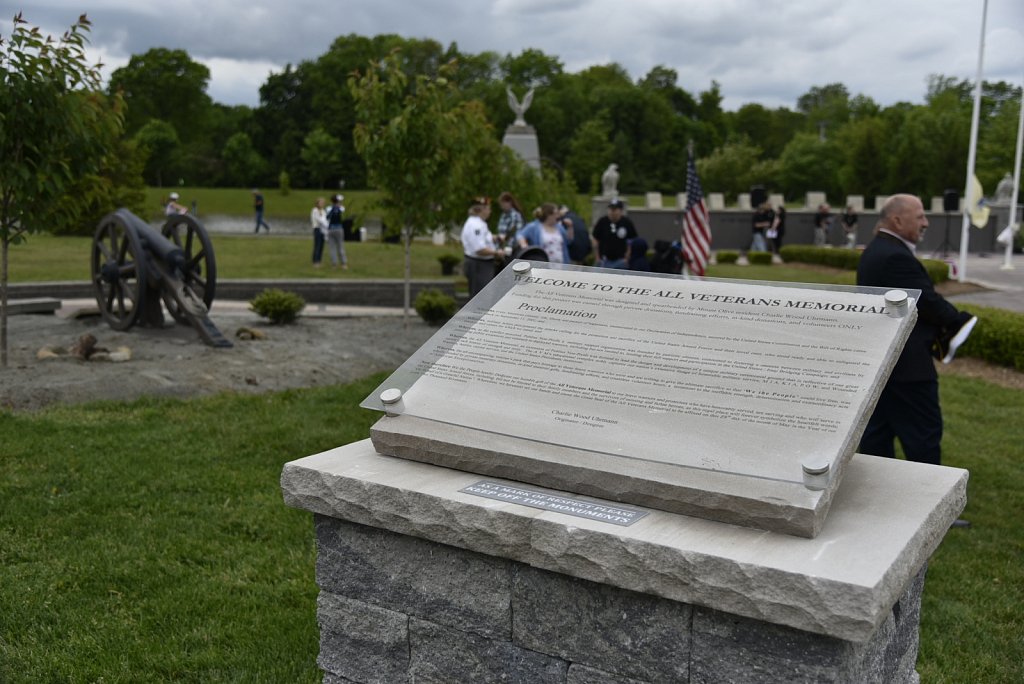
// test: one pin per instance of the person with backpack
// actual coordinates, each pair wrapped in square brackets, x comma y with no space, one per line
[336,233]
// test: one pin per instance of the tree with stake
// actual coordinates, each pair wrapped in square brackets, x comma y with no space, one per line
[417,139]
[56,125]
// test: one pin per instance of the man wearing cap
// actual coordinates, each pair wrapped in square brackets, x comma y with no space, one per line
[908,408]
[478,246]
[611,235]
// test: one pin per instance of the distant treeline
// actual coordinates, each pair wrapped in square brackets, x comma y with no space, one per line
[301,133]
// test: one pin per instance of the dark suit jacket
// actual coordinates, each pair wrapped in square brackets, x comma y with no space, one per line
[887,262]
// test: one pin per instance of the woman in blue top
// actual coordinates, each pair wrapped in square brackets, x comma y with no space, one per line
[548,233]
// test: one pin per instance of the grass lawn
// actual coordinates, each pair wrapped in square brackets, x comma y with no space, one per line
[297,203]
[148,540]
[238,201]
[49,258]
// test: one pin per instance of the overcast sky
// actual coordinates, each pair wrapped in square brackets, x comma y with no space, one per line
[766,51]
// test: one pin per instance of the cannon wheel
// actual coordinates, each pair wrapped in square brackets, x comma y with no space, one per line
[118,272]
[200,269]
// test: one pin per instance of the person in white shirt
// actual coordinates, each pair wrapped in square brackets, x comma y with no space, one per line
[318,222]
[173,208]
[478,246]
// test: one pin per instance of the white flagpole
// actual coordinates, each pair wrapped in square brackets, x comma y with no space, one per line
[1008,257]
[972,152]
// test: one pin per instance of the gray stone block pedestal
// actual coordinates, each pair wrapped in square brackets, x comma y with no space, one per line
[423,583]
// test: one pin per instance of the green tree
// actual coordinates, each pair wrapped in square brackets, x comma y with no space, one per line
[55,126]
[864,143]
[729,169]
[322,153]
[115,184]
[416,138]
[809,163]
[167,85]
[827,108]
[242,163]
[158,142]
[590,153]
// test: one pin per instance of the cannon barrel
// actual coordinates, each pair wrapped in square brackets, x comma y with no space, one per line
[137,270]
[155,244]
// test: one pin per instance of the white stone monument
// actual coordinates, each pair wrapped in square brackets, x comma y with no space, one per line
[716,201]
[610,182]
[815,199]
[855,201]
[521,137]
[743,201]
[652,200]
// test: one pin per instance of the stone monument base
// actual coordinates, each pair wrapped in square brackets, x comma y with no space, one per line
[523,141]
[423,582]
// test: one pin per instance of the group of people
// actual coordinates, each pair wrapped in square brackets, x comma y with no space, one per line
[329,229]
[847,223]
[555,234]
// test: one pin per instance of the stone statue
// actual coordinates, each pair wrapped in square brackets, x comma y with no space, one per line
[519,107]
[610,181]
[1004,191]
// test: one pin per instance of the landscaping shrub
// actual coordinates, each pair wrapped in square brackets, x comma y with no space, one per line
[938,271]
[997,338]
[726,256]
[760,258]
[277,305]
[848,259]
[448,263]
[434,306]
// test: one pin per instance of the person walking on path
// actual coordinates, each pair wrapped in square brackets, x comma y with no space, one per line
[336,233]
[908,408]
[257,204]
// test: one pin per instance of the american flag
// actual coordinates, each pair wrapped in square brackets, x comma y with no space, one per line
[696,222]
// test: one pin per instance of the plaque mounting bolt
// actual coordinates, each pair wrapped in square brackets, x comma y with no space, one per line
[392,400]
[816,473]
[897,303]
[521,267]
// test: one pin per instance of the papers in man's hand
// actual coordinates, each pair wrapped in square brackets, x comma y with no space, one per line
[959,338]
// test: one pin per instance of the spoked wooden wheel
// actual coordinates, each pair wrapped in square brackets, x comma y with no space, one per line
[199,273]
[118,272]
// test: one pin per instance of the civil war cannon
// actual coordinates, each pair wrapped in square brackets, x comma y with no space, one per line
[135,267]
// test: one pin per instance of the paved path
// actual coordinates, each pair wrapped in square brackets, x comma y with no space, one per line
[1006,285]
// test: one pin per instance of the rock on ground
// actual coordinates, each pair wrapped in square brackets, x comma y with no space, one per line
[174,362]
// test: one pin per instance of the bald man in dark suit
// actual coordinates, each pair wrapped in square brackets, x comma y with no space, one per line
[908,408]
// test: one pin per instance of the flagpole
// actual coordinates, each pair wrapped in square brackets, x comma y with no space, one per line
[970,201]
[1008,257]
